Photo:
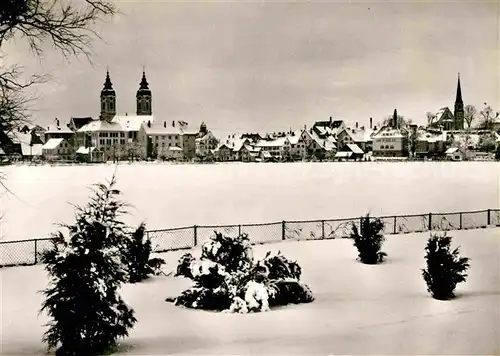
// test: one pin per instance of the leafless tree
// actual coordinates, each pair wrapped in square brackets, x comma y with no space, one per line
[62,23]
[470,114]
[430,118]
[488,116]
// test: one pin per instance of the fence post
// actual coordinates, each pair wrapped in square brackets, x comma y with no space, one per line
[489,217]
[195,230]
[283,230]
[395,225]
[322,229]
[36,252]
[430,221]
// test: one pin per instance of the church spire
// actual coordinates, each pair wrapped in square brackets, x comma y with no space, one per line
[108,99]
[144,98]
[458,114]
[144,83]
[458,100]
[107,83]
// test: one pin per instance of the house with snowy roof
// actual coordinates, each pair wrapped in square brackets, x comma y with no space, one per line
[277,148]
[362,137]
[224,152]
[205,142]
[391,140]
[57,149]
[430,143]
[350,151]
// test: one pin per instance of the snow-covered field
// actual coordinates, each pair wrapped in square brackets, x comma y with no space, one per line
[359,309]
[167,195]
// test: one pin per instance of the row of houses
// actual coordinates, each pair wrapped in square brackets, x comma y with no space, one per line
[333,140]
[97,140]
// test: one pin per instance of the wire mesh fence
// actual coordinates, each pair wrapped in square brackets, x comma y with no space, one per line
[28,252]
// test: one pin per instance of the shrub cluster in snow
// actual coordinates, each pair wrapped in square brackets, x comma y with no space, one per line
[136,256]
[368,239]
[444,268]
[227,278]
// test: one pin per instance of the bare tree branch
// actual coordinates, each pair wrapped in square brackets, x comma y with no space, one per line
[69,28]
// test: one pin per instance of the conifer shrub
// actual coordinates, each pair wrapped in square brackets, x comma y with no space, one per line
[444,267]
[137,257]
[369,239]
[227,278]
[87,314]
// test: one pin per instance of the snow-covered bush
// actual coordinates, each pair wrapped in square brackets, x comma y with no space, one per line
[445,268]
[87,315]
[136,257]
[368,239]
[226,278]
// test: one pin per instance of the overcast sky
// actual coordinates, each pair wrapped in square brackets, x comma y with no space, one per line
[267,66]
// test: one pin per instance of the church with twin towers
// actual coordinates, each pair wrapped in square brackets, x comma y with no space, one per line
[144,99]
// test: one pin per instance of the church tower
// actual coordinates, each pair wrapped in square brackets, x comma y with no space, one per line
[108,100]
[459,108]
[143,97]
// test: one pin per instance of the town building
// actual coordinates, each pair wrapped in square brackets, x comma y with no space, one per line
[56,149]
[391,140]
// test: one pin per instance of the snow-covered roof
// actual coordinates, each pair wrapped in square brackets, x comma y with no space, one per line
[132,122]
[19,137]
[238,143]
[52,143]
[293,139]
[34,150]
[279,142]
[343,154]
[355,148]
[451,150]
[266,154]
[360,135]
[119,123]
[58,129]
[387,131]
[160,128]
[85,150]
[101,126]
[2,152]
[431,136]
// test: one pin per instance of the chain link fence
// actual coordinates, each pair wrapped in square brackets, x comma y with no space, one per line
[28,252]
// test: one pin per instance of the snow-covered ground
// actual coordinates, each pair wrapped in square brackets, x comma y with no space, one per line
[359,309]
[167,195]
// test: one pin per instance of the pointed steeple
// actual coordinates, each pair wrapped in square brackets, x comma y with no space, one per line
[458,120]
[144,83]
[108,99]
[458,100]
[108,86]
[395,119]
[144,98]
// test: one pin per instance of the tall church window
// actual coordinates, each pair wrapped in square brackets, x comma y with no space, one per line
[103,105]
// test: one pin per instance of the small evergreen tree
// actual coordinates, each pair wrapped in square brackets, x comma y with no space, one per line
[136,257]
[368,239]
[445,269]
[86,270]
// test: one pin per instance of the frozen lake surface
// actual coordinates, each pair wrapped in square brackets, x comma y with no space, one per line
[167,195]
[359,309]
